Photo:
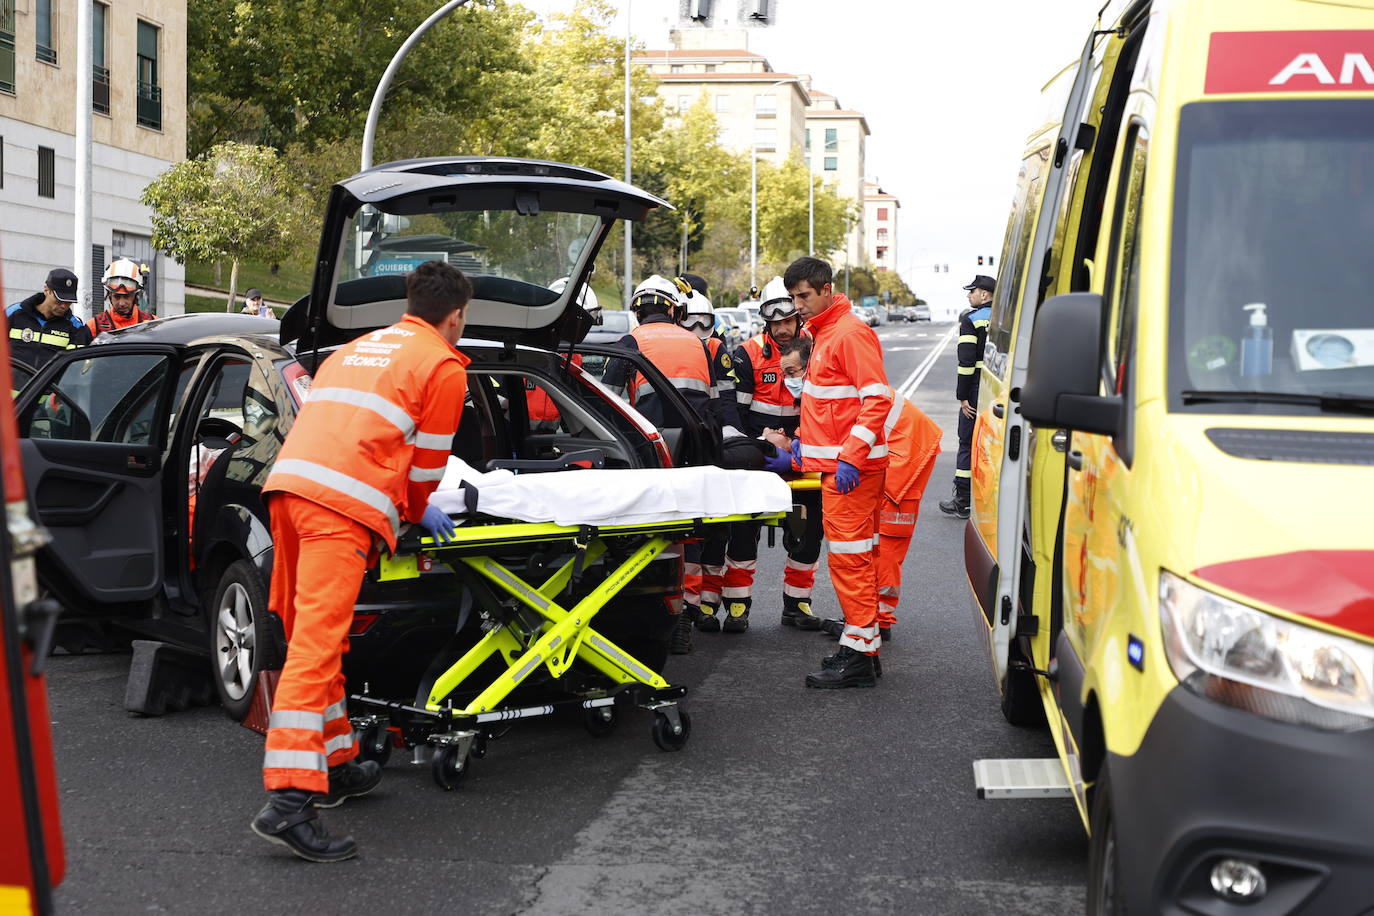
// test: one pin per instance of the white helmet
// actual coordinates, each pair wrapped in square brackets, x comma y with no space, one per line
[775,304]
[586,298]
[122,276]
[657,289]
[698,317]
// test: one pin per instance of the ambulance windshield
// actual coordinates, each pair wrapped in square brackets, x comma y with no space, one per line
[1270,289]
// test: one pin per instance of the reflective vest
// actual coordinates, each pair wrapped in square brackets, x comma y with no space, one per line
[913,440]
[538,404]
[770,404]
[846,398]
[374,436]
[680,355]
[108,320]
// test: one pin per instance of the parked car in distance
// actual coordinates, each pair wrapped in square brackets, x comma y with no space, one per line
[615,324]
[919,312]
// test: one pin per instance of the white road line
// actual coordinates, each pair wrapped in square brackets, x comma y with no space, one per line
[918,375]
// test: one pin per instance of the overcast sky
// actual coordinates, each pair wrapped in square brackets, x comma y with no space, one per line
[950,91]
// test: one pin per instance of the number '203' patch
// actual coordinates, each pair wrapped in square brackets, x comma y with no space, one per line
[770,378]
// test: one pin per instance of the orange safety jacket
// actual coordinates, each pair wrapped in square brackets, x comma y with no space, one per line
[109,320]
[846,398]
[681,356]
[762,394]
[913,440]
[538,404]
[373,438]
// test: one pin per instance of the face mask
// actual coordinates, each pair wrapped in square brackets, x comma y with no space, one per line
[794,385]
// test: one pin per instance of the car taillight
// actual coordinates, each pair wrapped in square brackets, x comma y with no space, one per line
[297,382]
[361,623]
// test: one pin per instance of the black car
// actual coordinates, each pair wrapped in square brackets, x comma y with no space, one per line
[145,455]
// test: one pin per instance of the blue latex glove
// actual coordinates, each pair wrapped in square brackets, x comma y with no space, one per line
[846,476]
[780,462]
[437,523]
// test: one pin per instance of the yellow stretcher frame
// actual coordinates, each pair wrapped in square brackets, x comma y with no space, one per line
[560,636]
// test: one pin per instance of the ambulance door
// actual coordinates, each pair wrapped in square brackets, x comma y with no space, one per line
[1000,597]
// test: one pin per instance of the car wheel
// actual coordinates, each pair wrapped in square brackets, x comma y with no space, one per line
[1104,863]
[239,638]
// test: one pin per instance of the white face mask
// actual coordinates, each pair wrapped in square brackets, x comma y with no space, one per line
[794,385]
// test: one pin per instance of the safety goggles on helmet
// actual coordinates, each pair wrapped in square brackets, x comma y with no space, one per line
[778,310]
[701,321]
[123,285]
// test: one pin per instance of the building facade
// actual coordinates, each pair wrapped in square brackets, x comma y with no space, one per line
[880,225]
[138,129]
[835,144]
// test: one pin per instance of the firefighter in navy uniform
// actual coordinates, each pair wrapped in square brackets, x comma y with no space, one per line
[766,403]
[42,326]
[973,333]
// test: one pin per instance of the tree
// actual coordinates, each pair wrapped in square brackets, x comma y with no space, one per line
[784,211]
[237,202]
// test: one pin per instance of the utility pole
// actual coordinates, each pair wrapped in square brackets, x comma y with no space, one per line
[629,233]
[81,243]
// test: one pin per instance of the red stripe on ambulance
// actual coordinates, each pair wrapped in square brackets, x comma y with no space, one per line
[1252,62]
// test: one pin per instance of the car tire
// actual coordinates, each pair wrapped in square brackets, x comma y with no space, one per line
[1021,704]
[1104,858]
[240,639]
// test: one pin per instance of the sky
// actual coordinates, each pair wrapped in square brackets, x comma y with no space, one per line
[950,91]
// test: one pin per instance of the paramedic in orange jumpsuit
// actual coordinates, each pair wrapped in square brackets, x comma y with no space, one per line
[365,454]
[844,406]
[913,442]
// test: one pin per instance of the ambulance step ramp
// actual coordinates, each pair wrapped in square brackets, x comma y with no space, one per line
[1024,778]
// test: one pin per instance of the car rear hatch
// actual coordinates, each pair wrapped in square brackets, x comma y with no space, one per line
[514,226]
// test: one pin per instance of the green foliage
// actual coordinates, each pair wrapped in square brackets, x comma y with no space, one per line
[236,202]
[784,209]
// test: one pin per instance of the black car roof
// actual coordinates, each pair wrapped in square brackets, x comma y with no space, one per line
[180,330]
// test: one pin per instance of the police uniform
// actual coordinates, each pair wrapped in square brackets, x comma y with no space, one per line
[35,339]
[973,334]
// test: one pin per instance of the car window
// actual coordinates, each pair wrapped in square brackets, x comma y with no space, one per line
[620,322]
[20,373]
[108,397]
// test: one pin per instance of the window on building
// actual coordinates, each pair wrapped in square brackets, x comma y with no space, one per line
[709,68]
[684,102]
[47,172]
[675,68]
[881,254]
[7,46]
[149,90]
[832,139]
[882,235]
[100,77]
[832,163]
[806,142]
[765,139]
[766,106]
[98,261]
[882,213]
[44,39]
[722,104]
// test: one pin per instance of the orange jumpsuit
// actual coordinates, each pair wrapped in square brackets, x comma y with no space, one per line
[110,320]
[913,441]
[365,453]
[844,407]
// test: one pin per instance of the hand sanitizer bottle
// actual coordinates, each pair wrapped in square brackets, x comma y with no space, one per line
[1257,346]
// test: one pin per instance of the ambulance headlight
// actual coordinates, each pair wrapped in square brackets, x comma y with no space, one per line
[1264,664]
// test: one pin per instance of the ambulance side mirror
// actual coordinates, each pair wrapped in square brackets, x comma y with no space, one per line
[1063,376]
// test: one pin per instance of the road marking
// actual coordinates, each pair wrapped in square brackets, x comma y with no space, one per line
[918,375]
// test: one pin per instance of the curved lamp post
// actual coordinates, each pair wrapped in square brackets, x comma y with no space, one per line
[754,193]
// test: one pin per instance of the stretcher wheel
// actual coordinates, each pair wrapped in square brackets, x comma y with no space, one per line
[374,743]
[665,737]
[600,720]
[448,768]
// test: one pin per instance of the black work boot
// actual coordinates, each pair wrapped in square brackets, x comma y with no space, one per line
[796,612]
[851,668]
[290,819]
[957,505]
[736,615]
[834,661]
[680,640]
[707,621]
[832,626]
[353,779]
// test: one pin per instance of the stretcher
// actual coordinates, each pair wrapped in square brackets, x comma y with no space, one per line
[532,629]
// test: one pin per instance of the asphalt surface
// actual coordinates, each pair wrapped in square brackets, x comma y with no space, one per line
[786,800]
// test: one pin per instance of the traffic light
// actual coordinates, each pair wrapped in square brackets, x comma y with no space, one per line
[990,260]
[980,260]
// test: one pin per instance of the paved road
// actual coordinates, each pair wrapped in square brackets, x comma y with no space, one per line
[786,800]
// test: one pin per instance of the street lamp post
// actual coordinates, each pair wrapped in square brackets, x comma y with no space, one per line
[810,209]
[754,193]
[629,243]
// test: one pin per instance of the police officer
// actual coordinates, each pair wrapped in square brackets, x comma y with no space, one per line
[767,402]
[973,333]
[43,325]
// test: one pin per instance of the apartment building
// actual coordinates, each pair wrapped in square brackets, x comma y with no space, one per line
[138,129]
[880,222]
[836,140]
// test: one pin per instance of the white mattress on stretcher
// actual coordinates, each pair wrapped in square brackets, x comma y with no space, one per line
[614,497]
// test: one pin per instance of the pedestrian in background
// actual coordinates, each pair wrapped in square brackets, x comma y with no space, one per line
[365,454]
[973,333]
[844,404]
[43,325]
[253,304]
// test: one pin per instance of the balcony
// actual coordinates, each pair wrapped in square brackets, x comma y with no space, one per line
[100,89]
[149,105]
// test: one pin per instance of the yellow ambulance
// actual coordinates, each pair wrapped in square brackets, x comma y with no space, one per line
[1172,538]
